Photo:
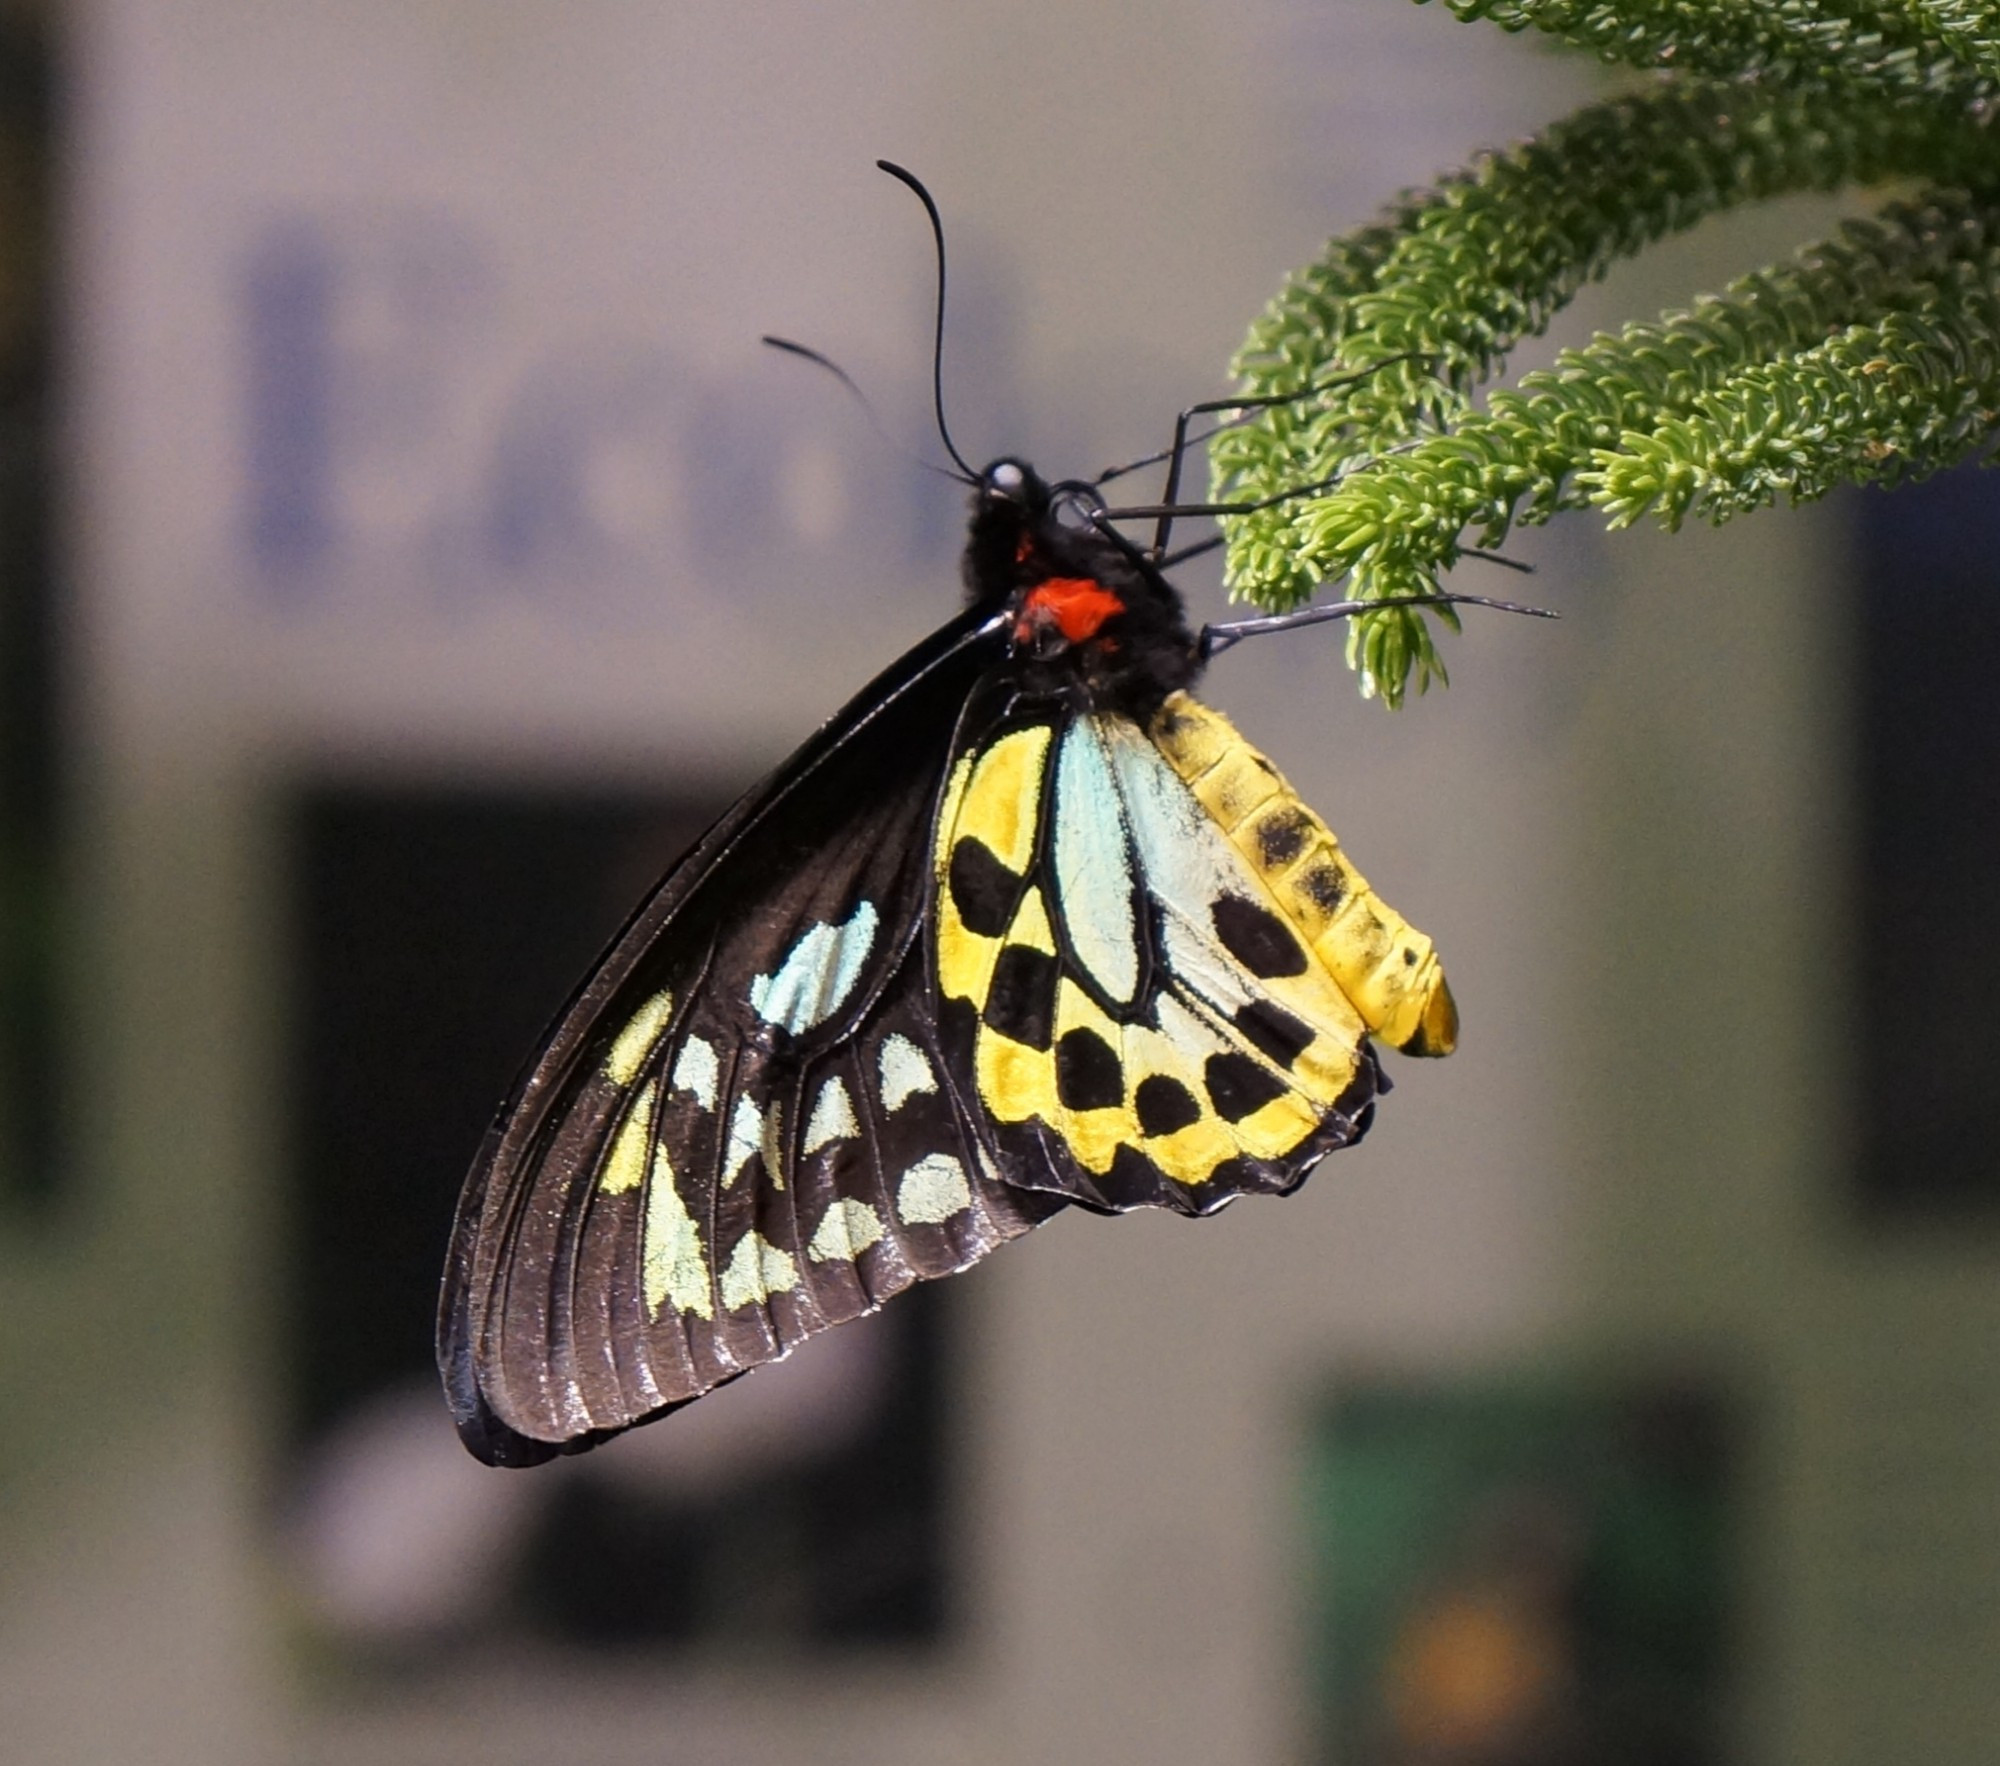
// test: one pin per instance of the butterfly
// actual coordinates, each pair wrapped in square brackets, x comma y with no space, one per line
[1025,926]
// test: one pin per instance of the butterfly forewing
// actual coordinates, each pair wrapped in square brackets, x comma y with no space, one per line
[641,1224]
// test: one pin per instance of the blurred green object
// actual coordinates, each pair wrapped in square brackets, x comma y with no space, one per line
[1527,1573]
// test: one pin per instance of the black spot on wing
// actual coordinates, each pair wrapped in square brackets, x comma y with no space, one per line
[1021,1002]
[1238,1086]
[1165,1105]
[1274,1031]
[983,890]
[1134,1181]
[1089,1075]
[958,1031]
[1257,938]
[1357,1100]
[1276,1178]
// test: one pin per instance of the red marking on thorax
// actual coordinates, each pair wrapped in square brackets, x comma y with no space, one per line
[1076,604]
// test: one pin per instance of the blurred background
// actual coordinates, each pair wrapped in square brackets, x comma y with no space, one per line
[407,547]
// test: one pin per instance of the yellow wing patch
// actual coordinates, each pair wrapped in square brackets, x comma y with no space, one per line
[1002,812]
[635,1042]
[625,1164]
[1188,1139]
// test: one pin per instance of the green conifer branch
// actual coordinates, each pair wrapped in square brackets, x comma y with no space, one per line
[1510,464]
[1384,475]
[1912,47]
[1691,414]
[1438,293]
[1878,403]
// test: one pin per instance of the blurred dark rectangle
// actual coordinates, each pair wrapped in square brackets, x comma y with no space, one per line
[435,931]
[1926,887]
[1523,1571]
[32,1072]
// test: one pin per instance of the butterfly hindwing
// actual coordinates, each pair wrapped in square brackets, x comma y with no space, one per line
[1132,947]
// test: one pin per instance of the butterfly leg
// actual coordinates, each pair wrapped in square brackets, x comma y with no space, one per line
[1214,639]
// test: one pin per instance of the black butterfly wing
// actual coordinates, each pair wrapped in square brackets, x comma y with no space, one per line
[741,1129]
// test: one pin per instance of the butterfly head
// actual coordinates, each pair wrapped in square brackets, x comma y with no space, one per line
[1091,618]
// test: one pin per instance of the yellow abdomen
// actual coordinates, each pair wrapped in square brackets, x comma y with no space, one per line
[1382,963]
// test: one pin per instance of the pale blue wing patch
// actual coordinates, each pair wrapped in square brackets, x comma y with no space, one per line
[746,1138]
[847,1229]
[1183,852]
[673,1262]
[818,973]
[1194,1037]
[1199,962]
[696,1071]
[832,1117]
[1188,863]
[1095,887]
[756,1270]
[932,1191]
[906,1072]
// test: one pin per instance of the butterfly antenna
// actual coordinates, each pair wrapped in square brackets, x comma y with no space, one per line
[847,380]
[937,341]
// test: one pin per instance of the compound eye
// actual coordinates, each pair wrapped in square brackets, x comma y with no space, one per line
[1006,478]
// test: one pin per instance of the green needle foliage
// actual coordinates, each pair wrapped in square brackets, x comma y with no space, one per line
[1871,356]
[1942,47]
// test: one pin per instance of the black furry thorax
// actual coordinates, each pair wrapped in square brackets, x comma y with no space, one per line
[1094,621]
